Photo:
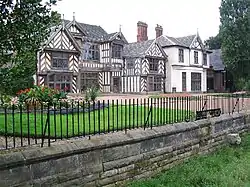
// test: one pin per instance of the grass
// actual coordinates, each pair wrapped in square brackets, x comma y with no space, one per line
[229,167]
[105,120]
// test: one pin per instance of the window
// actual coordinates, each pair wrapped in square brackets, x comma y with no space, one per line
[205,59]
[91,51]
[116,51]
[153,64]
[196,59]
[60,82]
[195,81]
[174,89]
[181,55]
[60,60]
[154,83]
[89,79]
[184,81]
[130,65]
[79,42]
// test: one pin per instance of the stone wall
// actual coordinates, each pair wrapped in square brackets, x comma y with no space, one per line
[115,158]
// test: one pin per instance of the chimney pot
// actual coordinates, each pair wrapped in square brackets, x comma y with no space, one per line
[158,30]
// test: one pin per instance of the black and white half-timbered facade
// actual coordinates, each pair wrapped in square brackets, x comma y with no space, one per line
[77,56]
[144,67]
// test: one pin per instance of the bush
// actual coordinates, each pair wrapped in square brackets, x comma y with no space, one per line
[40,94]
[243,84]
[91,94]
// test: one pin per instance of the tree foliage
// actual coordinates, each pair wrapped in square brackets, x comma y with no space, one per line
[24,26]
[213,42]
[235,37]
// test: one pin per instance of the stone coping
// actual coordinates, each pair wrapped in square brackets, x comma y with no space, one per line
[31,155]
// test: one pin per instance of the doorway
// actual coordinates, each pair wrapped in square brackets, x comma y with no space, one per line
[116,84]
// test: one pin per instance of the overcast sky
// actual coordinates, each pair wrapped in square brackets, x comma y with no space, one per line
[178,17]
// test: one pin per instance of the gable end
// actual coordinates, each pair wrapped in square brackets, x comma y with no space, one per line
[197,43]
[155,50]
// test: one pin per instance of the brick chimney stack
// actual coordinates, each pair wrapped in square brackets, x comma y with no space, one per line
[158,30]
[142,31]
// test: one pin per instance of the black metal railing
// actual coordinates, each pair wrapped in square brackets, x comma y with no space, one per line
[43,123]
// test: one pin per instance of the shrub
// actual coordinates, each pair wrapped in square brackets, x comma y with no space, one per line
[91,94]
[40,94]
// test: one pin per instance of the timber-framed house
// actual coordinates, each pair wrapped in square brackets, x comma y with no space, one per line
[77,56]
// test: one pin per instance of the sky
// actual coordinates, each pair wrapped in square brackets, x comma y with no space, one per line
[177,17]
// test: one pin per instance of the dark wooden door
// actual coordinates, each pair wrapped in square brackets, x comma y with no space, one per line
[116,84]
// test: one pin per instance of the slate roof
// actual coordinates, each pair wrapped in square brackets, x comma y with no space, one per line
[185,41]
[216,60]
[94,32]
[112,36]
[136,49]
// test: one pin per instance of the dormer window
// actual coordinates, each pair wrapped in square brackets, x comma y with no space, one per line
[117,51]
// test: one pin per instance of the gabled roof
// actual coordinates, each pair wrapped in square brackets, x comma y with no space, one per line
[141,49]
[113,36]
[216,60]
[93,32]
[55,31]
[185,41]
[137,49]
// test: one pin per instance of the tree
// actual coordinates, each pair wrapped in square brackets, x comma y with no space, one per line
[213,42]
[235,37]
[24,26]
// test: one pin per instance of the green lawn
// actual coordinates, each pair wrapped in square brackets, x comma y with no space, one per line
[106,120]
[229,167]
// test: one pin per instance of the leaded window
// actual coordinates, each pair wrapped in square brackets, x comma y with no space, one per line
[117,51]
[89,79]
[130,64]
[60,60]
[153,64]
[154,83]
[91,51]
[60,81]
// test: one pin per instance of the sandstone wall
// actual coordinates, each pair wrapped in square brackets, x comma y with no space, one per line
[115,158]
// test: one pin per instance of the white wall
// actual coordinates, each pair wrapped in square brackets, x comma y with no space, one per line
[175,69]
[177,78]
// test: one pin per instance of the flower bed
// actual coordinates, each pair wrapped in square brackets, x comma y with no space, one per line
[71,110]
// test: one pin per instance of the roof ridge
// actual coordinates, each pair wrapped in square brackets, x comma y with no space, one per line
[141,42]
[185,36]
[83,23]
[168,38]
